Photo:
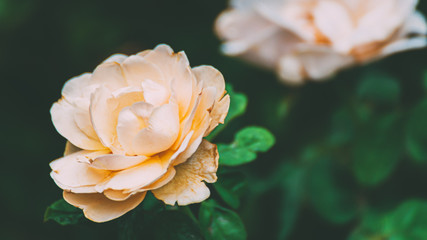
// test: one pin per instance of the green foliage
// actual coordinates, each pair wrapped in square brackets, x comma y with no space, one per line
[406,222]
[377,149]
[63,213]
[219,223]
[158,224]
[378,88]
[245,146]
[292,185]
[238,104]
[416,133]
[330,192]
[174,225]
[229,186]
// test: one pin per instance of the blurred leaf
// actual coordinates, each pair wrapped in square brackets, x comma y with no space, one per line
[219,223]
[238,103]
[329,192]
[232,155]
[379,89]
[293,186]
[407,222]
[63,213]
[247,143]
[159,224]
[229,186]
[377,149]
[256,139]
[174,225]
[342,127]
[416,133]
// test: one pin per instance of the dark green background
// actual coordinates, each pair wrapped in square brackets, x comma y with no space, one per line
[43,43]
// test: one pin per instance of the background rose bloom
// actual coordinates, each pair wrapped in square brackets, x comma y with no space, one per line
[136,124]
[313,39]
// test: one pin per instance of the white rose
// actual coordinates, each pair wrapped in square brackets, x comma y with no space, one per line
[136,124]
[313,39]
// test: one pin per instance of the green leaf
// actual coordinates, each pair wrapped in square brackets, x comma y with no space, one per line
[330,191]
[174,225]
[219,223]
[379,89]
[255,139]
[233,156]
[238,104]
[247,143]
[63,213]
[342,127]
[407,222]
[159,224]
[377,149]
[416,133]
[293,186]
[229,186]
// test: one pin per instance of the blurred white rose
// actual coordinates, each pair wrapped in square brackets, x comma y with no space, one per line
[313,39]
[136,124]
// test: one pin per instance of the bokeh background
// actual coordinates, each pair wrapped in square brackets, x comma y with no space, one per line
[43,43]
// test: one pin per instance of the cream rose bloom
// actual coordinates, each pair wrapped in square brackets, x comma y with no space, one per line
[313,39]
[136,124]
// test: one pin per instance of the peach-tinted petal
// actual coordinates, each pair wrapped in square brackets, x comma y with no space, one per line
[161,133]
[335,22]
[231,26]
[131,120]
[137,177]
[99,208]
[110,75]
[79,89]
[373,27]
[154,93]
[291,69]
[210,77]
[187,186]
[117,58]
[167,177]
[105,109]
[136,69]
[219,112]
[63,117]
[72,171]
[403,45]
[115,162]
[177,73]
[116,195]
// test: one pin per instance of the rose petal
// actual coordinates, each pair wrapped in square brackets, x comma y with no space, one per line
[154,93]
[115,162]
[131,120]
[177,73]
[210,77]
[105,109]
[136,69]
[187,186]
[218,114]
[138,176]
[167,177]
[99,208]
[161,133]
[63,117]
[334,21]
[72,171]
[116,195]
[109,74]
